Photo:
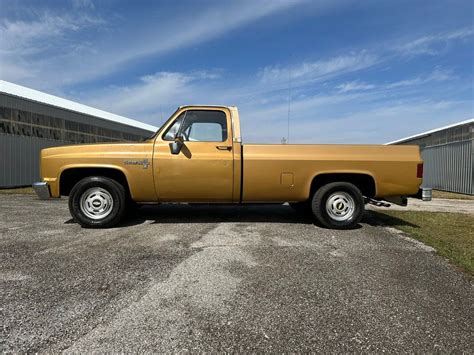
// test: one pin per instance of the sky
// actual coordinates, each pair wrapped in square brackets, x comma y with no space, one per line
[338,71]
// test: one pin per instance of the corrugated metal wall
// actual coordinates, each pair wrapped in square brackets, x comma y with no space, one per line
[449,167]
[448,157]
[19,153]
[19,159]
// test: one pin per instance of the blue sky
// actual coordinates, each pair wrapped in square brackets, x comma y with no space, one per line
[353,71]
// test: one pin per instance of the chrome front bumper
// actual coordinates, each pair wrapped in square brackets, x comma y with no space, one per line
[42,190]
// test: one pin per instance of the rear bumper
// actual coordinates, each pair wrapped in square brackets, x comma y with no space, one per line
[42,190]
[424,194]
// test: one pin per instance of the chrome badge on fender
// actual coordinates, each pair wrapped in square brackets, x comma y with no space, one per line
[143,162]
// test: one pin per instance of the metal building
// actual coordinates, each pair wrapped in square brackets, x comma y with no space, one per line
[448,154]
[31,120]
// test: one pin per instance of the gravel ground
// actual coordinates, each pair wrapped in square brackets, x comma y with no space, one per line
[181,278]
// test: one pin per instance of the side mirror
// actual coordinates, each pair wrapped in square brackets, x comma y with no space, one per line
[175,147]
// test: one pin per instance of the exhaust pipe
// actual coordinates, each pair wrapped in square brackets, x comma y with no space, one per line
[377,203]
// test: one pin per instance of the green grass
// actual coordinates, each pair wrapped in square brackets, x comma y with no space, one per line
[21,190]
[451,195]
[451,234]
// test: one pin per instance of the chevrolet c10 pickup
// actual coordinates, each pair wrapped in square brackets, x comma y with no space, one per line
[197,156]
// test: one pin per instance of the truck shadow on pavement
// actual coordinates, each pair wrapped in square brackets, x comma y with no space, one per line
[381,219]
[181,213]
[272,213]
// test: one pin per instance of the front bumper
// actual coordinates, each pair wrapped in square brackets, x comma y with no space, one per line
[42,190]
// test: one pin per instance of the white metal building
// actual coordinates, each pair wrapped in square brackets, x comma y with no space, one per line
[31,120]
[448,154]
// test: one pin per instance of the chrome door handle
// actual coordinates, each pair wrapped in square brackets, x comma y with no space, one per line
[224,147]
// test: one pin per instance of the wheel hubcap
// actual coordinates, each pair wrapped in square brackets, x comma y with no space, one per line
[340,206]
[96,203]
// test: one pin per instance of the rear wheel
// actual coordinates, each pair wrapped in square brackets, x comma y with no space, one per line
[338,205]
[97,202]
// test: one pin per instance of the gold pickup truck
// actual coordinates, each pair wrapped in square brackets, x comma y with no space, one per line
[197,156]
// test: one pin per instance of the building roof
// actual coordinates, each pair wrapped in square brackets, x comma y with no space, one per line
[38,96]
[424,134]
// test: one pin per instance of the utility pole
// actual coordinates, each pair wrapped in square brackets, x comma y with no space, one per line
[289,105]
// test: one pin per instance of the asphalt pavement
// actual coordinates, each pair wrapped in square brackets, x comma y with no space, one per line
[203,278]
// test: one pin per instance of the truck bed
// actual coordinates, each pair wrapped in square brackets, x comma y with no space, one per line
[284,172]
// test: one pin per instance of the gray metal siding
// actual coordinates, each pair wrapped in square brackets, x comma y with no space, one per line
[448,157]
[449,167]
[19,159]
[19,154]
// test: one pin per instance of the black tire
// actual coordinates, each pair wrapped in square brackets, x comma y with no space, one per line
[342,195]
[103,186]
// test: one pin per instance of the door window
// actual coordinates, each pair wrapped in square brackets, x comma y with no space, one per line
[205,126]
[199,126]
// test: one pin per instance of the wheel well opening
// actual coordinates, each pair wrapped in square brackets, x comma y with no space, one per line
[71,177]
[365,183]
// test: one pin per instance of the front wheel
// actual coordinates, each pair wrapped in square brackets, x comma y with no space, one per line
[338,205]
[97,202]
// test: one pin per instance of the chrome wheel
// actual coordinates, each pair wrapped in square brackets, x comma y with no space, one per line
[340,206]
[96,203]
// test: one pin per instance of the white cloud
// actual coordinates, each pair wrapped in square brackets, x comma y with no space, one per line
[334,119]
[202,26]
[437,75]
[354,86]
[81,4]
[431,44]
[164,91]
[154,96]
[364,112]
[331,102]
[320,69]
[33,51]
[383,123]
[23,38]
[13,72]
[440,74]
[115,49]
[277,77]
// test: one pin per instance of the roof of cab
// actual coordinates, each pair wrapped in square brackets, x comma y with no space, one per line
[213,106]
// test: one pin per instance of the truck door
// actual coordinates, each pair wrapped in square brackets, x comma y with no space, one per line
[203,170]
